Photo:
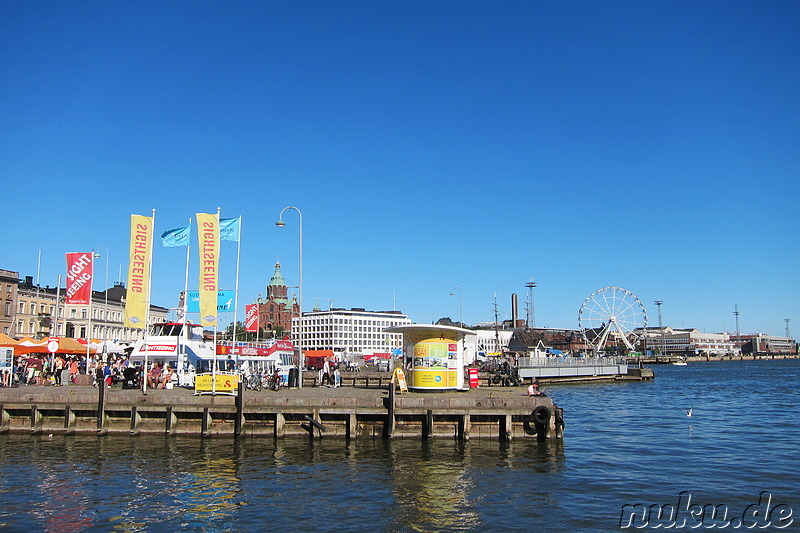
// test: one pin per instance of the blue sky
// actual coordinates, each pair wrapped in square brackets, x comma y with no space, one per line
[647,145]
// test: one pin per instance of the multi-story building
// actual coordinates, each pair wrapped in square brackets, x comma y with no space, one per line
[349,332]
[669,341]
[9,280]
[275,313]
[35,314]
[763,344]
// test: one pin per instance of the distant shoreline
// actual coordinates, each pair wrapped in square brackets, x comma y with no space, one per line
[667,359]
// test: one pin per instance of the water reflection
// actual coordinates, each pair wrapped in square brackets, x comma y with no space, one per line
[432,485]
[611,455]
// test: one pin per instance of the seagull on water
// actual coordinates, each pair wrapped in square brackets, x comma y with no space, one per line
[689,412]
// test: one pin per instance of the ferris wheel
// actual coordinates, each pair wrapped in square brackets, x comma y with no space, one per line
[611,315]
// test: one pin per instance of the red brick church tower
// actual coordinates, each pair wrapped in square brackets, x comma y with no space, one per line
[276,311]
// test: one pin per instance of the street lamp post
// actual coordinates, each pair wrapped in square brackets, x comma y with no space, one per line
[92,256]
[280,223]
[330,303]
[460,307]
[105,292]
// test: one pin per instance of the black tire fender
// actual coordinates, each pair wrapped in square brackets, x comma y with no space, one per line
[541,415]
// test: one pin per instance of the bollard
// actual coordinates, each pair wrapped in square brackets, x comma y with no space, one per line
[237,425]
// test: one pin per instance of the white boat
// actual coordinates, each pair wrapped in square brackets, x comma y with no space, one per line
[176,344]
[679,363]
[183,347]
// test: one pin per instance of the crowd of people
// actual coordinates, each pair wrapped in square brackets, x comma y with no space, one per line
[41,369]
[58,370]
[329,374]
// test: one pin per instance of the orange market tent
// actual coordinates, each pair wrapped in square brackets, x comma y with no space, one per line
[66,345]
[5,340]
[27,345]
[73,346]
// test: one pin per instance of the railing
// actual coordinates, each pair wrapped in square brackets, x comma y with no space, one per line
[534,362]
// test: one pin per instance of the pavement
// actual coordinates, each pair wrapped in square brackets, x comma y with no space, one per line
[79,393]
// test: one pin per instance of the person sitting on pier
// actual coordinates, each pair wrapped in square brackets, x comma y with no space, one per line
[533,389]
[154,376]
[166,377]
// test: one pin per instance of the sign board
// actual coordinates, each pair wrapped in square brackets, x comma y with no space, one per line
[6,357]
[435,364]
[401,379]
[52,345]
[226,383]
[225,301]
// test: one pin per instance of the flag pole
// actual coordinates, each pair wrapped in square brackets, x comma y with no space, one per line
[186,277]
[184,334]
[216,317]
[236,286]
[89,324]
[147,300]
[58,304]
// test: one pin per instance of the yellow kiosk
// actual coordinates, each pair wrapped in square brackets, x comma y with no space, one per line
[433,356]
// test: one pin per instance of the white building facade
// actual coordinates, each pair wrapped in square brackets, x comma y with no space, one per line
[492,342]
[668,341]
[36,315]
[349,333]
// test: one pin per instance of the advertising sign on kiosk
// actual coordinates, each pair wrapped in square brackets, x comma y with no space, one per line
[434,355]
[219,383]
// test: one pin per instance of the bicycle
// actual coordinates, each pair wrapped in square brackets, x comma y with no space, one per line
[253,382]
[274,382]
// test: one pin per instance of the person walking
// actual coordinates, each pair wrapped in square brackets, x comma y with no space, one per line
[73,370]
[58,367]
[326,372]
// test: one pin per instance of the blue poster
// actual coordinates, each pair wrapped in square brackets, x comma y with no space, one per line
[224,302]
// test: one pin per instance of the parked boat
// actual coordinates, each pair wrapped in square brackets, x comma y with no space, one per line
[183,347]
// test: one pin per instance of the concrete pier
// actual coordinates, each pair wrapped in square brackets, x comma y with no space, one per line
[312,412]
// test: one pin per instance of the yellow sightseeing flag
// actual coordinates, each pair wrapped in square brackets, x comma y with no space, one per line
[139,271]
[208,238]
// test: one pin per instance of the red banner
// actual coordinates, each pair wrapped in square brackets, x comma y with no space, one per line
[79,277]
[251,318]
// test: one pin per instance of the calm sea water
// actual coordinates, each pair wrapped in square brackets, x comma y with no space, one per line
[625,443]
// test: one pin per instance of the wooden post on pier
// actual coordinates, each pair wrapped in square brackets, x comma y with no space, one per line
[428,425]
[237,426]
[390,417]
[464,426]
[280,423]
[206,425]
[36,420]
[352,425]
[170,420]
[505,428]
[136,420]
[101,403]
